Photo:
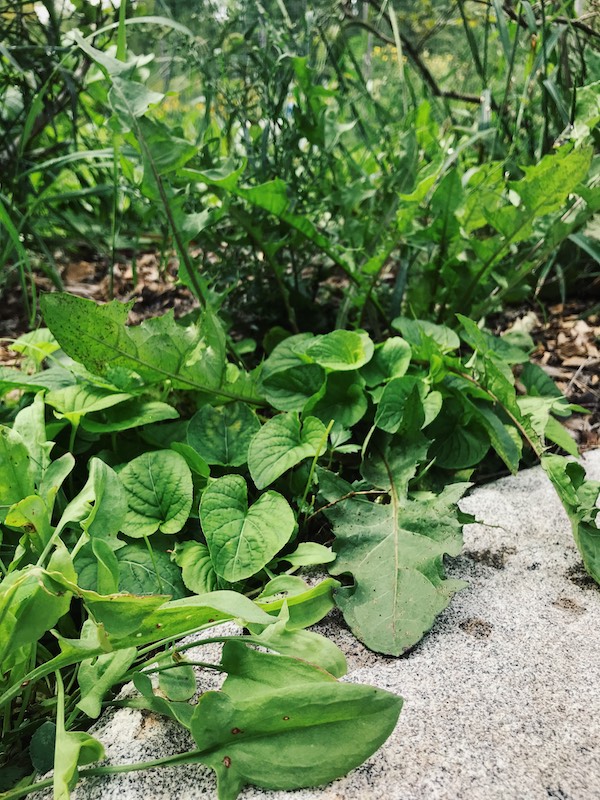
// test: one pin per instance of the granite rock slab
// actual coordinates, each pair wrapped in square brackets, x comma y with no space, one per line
[501,698]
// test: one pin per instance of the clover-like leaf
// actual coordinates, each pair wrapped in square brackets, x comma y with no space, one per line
[281,444]
[159,493]
[242,540]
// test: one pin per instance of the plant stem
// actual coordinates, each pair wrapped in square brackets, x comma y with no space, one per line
[322,444]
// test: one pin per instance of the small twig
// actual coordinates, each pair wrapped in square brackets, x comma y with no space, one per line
[345,497]
[587,363]
[413,54]
[520,19]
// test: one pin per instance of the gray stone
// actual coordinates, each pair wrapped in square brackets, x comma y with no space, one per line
[502,697]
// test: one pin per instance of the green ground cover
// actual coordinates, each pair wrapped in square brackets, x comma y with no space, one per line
[346,219]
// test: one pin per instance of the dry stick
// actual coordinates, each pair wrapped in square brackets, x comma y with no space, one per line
[345,497]
[419,63]
[520,19]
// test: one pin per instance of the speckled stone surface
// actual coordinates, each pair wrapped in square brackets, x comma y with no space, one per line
[502,698]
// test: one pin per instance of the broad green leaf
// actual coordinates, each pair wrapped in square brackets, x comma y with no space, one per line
[557,433]
[181,712]
[493,346]
[535,413]
[194,461]
[120,614]
[579,497]
[179,683]
[547,184]
[53,378]
[30,424]
[537,382]
[242,540]
[306,605]
[222,435]
[168,151]
[36,345]
[110,66]
[309,554]
[339,350]
[195,352]
[392,404]
[35,600]
[97,567]
[71,750]
[191,357]
[514,224]
[390,463]
[97,676]
[130,414]
[16,472]
[280,723]
[197,571]
[485,184]
[307,645]
[342,400]
[33,516]
[170,620]
[41,749]
[179,617]
[290,389]
[161,437]
[282,443]
[74,402]
[130,99]
[54,478]
[399,546]
[143,572]
[107,514]
[425,337]
[286,355]
[159,491]
[107,567]
[390,360]
[100,506]
[505,439]
[461,447]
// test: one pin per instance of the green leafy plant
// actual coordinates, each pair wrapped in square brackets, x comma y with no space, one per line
[332,439]
[152,485]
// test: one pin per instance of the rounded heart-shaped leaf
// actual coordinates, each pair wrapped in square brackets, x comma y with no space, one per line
[242,540]
[222,435]
[159,493]
[282,443]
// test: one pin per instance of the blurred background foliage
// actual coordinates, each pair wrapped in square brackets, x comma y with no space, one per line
[314,165]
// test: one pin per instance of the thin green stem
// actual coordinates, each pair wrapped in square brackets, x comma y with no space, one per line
[322,446]
[154,564]
[191,757]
